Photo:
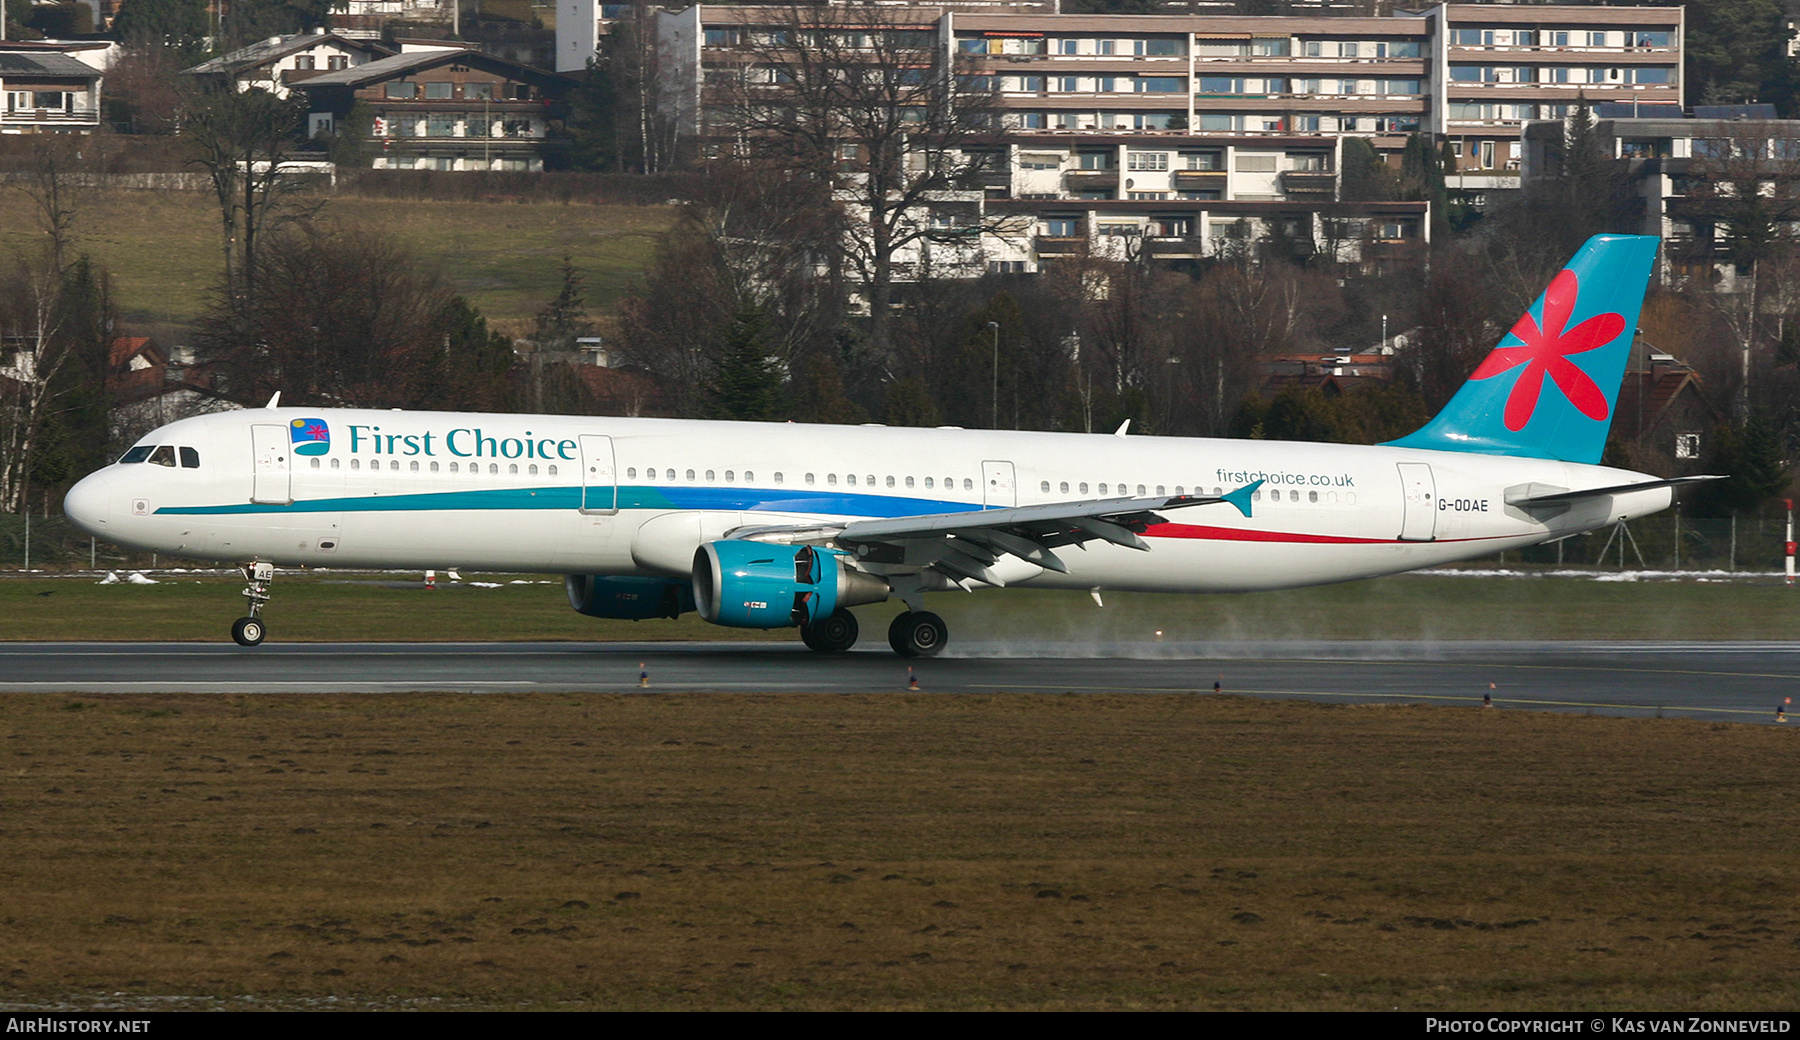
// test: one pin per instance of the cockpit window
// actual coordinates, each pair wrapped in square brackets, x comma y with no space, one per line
[137,454]
[164,455]
[190,458]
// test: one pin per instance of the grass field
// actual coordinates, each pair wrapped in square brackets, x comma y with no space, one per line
[163,248]
[350,606]
[897,851]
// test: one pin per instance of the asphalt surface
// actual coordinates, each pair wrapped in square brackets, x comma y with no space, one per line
[1743,682]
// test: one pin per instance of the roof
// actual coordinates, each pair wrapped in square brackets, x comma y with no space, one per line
[15,63]
[400,64]
[276,47]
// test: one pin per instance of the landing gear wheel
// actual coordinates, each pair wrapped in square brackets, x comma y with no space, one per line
[918,633]
[834,635]
[248,631]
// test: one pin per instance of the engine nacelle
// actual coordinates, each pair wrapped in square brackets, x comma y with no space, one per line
[747,584]
[628,598]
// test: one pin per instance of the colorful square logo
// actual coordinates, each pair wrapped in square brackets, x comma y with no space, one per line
[310,436]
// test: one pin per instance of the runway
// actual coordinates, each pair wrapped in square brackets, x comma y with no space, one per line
[1740,682]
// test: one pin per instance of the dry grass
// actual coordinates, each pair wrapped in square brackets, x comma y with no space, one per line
[903,851]
[164,254]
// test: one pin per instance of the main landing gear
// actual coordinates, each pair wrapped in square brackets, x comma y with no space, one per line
[249,631]
[834,635]
[918,633]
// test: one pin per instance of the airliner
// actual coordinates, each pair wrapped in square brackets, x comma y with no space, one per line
[764,525]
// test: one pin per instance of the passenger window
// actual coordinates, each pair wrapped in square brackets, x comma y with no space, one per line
[909,482]
[968,485]
[394,466]
[453,468]
[777,477]
[831,479]
[709,476]
[1084,487]
[552,471]
[1045,487]
[671,474]
[1062,488]
[190,459]
[334,464]
[315,463]
[415,465]
[434,467]
[631,473]
[730,477]
[494,468]
[164,455]
[890,482]
[1103,489]
[532,470]
[850,479]
[512,470]
[1293,496]
[356,464]
[137,454]
[749,477]
[809,480]
[872,480]
[928,482]
[1312,496]
[1140,490]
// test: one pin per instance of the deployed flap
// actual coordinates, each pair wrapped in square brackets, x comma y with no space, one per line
[964,545]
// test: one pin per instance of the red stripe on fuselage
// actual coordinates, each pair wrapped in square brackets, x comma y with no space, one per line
[1235,534]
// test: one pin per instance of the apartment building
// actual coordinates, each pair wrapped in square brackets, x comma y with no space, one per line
[1681,176]
[1179,134]
[1500,66]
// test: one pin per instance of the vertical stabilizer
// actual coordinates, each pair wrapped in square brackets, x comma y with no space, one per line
[1548,390]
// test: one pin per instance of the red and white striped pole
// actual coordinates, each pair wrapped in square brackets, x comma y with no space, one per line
[1790,539]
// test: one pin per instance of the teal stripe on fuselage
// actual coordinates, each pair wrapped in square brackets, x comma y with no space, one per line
[741,499]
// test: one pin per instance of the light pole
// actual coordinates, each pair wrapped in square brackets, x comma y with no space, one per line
[995,326]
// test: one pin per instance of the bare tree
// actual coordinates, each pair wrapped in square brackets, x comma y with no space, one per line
[872,107]
[345,318]
[31,318]
[1748,187]
[244,140]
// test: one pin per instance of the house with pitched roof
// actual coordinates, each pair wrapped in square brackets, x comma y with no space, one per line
[279,62]
[444,109]
[45,89]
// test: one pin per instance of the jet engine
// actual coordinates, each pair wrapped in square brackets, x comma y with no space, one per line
[747,584]
[628,598]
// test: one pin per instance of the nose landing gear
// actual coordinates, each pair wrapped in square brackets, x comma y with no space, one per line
[249,630]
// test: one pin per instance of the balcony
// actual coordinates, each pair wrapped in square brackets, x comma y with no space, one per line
[1200,179]
[1091,180]
[1308,184]
[1060,245]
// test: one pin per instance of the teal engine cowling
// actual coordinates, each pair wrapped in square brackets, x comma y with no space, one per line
[626,598]
[746,584]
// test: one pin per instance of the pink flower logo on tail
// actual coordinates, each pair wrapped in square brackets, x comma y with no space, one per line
[1546,351]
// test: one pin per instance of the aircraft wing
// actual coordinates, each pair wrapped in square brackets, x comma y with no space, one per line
[966,545]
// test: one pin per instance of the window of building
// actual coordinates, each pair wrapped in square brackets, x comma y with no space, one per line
[1687,445]
[303,62]
[402,90]
[478,91]
[1146,161]
[338,61]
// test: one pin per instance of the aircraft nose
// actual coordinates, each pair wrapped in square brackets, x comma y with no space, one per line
[89,502]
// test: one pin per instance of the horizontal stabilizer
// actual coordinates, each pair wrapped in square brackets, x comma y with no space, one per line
[1564,497]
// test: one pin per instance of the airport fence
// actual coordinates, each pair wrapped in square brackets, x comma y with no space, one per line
[1665,542]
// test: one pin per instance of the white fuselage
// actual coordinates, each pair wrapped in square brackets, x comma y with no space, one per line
[573,495]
